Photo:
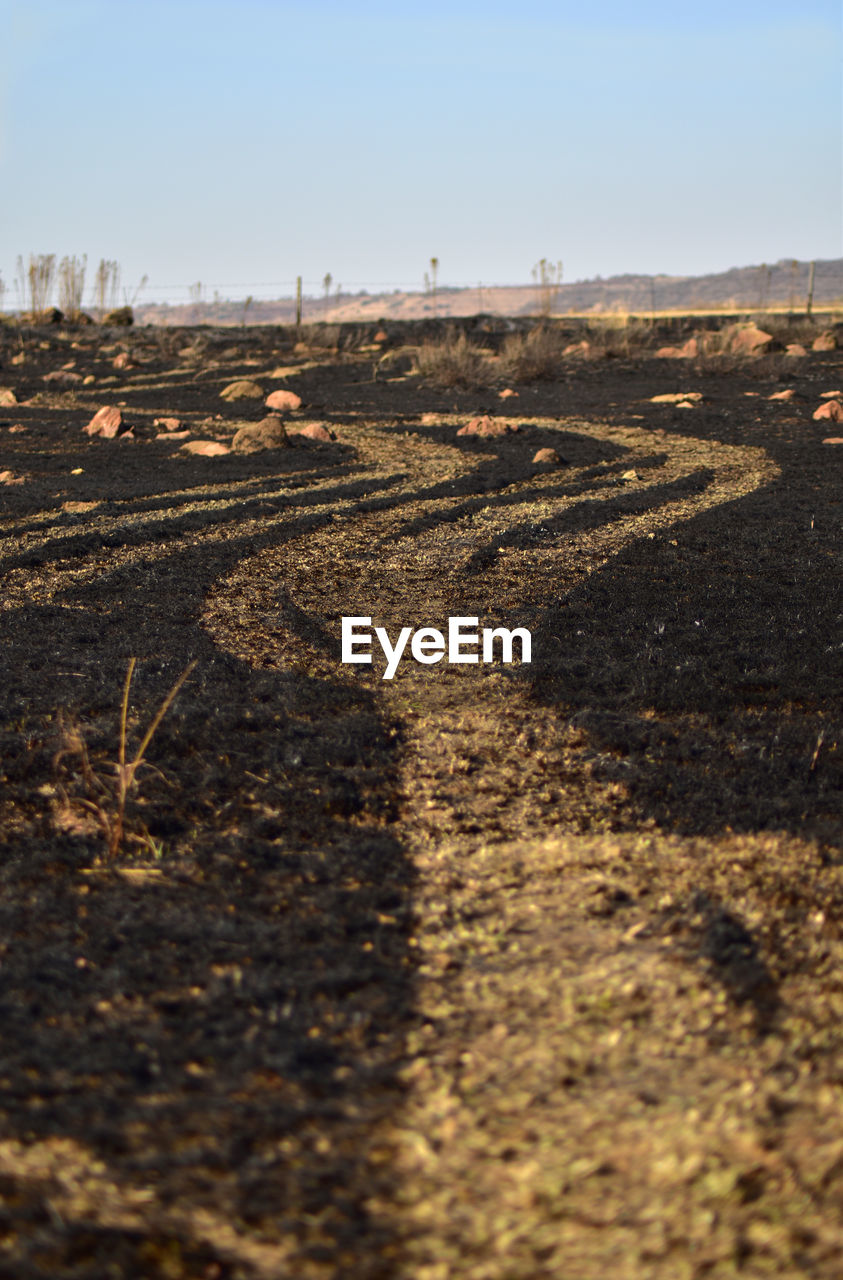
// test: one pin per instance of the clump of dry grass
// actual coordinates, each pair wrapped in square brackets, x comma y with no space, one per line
[105,802]
[533,356]
[453,362]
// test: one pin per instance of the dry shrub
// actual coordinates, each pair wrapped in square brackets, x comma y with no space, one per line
[453,362]
[533,356]
[620,335]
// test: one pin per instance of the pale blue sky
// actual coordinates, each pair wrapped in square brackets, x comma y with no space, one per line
[243,144]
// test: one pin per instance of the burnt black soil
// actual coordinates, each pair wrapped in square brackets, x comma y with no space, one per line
[485,971]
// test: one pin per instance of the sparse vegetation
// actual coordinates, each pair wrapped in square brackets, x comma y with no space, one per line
[536,355]
[453,362]
[105,801]
[72,286]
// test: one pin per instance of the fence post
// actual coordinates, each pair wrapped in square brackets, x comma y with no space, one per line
[298,302]
[809,301]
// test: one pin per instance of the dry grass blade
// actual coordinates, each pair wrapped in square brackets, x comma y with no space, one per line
[126,772]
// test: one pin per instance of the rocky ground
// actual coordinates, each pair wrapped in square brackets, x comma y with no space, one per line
[493,972]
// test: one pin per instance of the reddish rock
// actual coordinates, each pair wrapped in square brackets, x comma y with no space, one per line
[315,431]
[7,397]
[205,448]
[825,342]
[106,422]
[172,435]
[577,348]
[832,409]
[269,433]
[677,353]
[831,395]
[123,361]
[833,440]
[677,397]
[169,424]
[746,340]
[795,350]
[381,336]
[283,400]
[242,389]
[783,395]
[487,426]
[9,477]
[548,457]
[507,393]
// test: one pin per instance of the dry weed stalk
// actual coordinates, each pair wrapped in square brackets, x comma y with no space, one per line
[108,803]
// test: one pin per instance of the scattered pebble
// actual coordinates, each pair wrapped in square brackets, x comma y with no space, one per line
[677,397]
[825,342]
[487,426]
[549,457]
[795,350]
[269,433]
[205,448]
[783,395]
[242,389]
[833,440]
[507,393]
[283,400]
[832,409]
[169,424]
[105,423]
[314,431]
[7,397]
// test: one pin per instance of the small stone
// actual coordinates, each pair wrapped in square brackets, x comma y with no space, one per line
[314,431]
[832,409]
[9,477]
[549,457]
[123,361]
[795,350]
[831,395]
[685,404]
[205,448]
[825,342]
[7,397]
[283,400]
[381,336]
[486,427]
[783,395]
[632,474]
[507,393]
[18,359]
[746,340]
[105,423]
[833,440]
[171,435]
[169,424]
[88,380]
[269,433]
[63,377]
[242,389]
[577,348]
[677,397]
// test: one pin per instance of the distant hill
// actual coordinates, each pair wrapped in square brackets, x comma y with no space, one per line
[780,284]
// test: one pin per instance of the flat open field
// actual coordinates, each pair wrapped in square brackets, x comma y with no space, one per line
[485,972]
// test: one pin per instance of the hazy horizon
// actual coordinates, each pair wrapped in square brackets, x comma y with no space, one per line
[242,147]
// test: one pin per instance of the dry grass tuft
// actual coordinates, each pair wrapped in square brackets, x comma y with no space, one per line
[105,801]
[453,362]
[534,356]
